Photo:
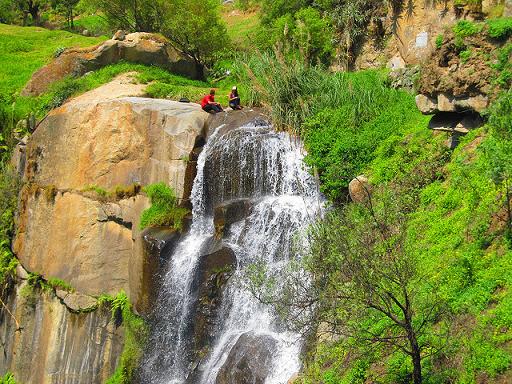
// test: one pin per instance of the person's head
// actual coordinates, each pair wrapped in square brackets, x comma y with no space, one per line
[212,92]
[234,90]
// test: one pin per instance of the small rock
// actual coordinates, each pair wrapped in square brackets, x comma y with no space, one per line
[421,40]
[86,32]
[396,63]
[21,272]
[79,302]
[119,35]
[359,189]
[445,103]
[453,68]
[426,105]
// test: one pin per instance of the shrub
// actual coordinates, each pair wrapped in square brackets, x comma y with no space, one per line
[465,55]
[8,378]
[164,210]
[9,188]
[500,28]
[56,283]
[439,41]
[465,28]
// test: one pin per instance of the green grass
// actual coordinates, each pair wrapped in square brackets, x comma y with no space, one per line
[164,210]
[56,283]
[500,28]
[95,24]
[242,27]
[26,49]
[8,378]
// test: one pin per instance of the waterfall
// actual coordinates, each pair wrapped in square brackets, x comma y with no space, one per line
[259,175]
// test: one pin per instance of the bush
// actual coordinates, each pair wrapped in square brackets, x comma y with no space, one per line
[465,28]
[163,210]
[8,378]
[9,188]
[500,28]
[439,41]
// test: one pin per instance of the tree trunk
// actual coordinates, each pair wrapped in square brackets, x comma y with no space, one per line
[415,355]
[34,12]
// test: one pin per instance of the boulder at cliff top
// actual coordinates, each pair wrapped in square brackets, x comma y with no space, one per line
[107,140]
[141,48]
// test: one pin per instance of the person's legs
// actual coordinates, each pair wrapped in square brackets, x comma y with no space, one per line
[208,108]
[235,103]
[217,108]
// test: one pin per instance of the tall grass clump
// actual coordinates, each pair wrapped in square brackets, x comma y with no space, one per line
[164,210]
[343,118]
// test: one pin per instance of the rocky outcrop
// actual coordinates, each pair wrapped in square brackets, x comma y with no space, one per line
[84,168]
[43,342]
[102,140]
[248,361]
[141,48]
[447,103]
[228,213]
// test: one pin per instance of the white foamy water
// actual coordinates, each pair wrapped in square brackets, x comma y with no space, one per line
[256,163]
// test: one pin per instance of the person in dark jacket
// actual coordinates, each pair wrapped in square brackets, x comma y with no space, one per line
[234,99]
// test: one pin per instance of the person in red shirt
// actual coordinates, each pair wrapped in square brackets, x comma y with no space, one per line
[209,104]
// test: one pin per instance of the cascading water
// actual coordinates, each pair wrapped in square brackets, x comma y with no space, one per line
[265,169]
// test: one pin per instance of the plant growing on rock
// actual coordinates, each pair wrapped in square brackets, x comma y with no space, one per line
[164,210]
[135,336]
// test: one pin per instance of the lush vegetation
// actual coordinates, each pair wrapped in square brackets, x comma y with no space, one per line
[135,335]
[164,210]
[9,188]
[411,285]
[8,378]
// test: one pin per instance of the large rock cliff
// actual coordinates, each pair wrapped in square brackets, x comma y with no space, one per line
[79,222]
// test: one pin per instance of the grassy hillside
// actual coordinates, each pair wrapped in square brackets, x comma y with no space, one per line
[26,49]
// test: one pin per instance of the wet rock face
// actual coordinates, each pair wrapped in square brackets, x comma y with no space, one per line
[226,214]
[234,174]
[249,361]
[54,345]
[159,243]
[214,270]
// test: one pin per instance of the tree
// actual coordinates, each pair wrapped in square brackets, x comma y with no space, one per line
[195,28]
[7,12]
[498,150]
[66,8]
[132,15]
[361,280]
[32,8]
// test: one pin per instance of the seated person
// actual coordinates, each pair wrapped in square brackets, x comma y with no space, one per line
[209,104]
[234,99]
